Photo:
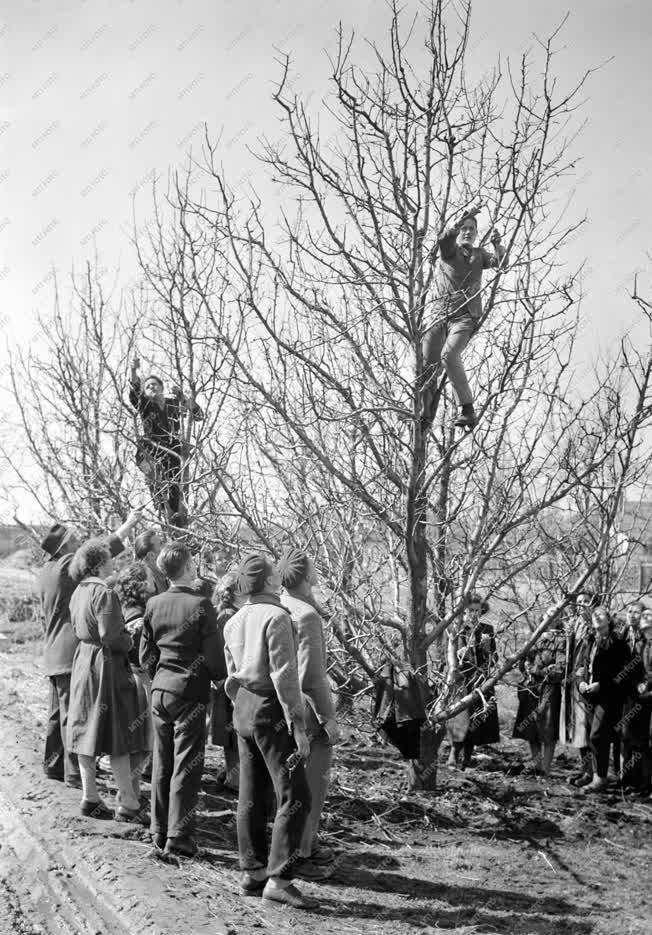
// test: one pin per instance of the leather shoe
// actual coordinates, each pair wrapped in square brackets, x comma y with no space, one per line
[584,780]
[312,872]
[322,854]
[184,847]
[133,816]
[250,886]
[287,896]
[96,810]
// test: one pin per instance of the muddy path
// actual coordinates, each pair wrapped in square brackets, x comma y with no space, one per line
[492,852]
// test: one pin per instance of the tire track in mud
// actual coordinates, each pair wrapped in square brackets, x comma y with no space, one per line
[47,887]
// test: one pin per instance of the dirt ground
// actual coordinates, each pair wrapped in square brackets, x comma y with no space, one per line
[491,852]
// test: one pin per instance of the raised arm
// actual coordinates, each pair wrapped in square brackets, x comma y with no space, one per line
[497,258]
[447,243]
[136,397]
[187,405]
[123,531]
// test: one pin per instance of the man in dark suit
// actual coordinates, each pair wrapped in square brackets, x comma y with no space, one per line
[183,651]
[55,588]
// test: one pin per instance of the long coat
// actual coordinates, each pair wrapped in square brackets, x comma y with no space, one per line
[576,710]
[55,588]
[539,697]
[105,715]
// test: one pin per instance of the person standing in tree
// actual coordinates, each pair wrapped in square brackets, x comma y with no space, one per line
[161,449]
[457,309]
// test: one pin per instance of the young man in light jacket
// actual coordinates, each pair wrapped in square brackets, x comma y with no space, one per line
[298,576]
[268,717]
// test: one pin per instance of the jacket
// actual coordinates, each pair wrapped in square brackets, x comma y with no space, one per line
[458,284]
[181,648]
[612,667]
[311,659]
[55,588]
[161,424]
[261,655]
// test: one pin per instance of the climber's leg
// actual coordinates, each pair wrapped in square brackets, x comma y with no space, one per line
[458,337]
[434,341]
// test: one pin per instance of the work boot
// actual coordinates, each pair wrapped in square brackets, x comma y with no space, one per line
[597,784]
[253,883]
[584,780]
[467,418]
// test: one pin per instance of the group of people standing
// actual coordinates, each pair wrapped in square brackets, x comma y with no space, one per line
[142,665]
[144,661]
[589,684]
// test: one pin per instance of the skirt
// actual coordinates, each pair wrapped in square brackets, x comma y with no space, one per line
[575,721]
[107,715]
[636,723]
[484,726]
[537,718]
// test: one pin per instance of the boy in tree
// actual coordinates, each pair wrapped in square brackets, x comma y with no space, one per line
[160,451]
[457,309]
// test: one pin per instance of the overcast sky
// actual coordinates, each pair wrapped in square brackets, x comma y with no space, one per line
[96,95]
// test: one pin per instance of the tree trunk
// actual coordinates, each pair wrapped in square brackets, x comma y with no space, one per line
[422,773]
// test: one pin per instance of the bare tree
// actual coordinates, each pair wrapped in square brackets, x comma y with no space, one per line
[68,443]
[323,317]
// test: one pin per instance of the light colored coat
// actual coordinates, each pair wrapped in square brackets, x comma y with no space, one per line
[261,655]
[311,660]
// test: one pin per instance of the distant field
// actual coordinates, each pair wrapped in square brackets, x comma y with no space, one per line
[16,582]
[16,585]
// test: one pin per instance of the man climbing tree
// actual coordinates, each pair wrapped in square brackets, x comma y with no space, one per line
[457,309]
[161,449]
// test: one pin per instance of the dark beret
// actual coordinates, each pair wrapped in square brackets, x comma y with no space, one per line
[252,573]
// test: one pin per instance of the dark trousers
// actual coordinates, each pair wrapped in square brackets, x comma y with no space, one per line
[57,762]
[162,469]
[603,727]
[178,765]
[264,745]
